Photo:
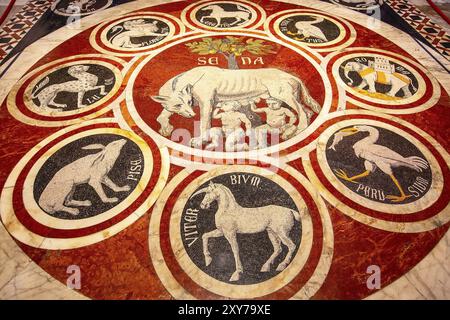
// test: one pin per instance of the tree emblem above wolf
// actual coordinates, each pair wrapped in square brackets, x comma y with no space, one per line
[208,87]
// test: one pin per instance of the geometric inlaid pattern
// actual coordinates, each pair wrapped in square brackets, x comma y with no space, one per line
[226,149]
[16,28]
[431,31]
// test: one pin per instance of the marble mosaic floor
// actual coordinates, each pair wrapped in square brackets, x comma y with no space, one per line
[226,149]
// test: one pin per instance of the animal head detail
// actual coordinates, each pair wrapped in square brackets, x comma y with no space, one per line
[117,144]
[349,131]
[358,128]
[180,102]
[210,195]
[338,136]
[349,66]
[78,69]
[110,151]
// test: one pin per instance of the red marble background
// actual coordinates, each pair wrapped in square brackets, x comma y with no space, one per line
[157,71]
[120,267]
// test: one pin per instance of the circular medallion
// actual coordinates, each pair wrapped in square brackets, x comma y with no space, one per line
[70,88]
[247,195]
[67,91]
[379,79]
[136,33]
[383,172]
[112,157]
[392,169]
[81,186]
[223,15]
[79,7]
[239,232]
[383,81]
[311,28]
[255,99]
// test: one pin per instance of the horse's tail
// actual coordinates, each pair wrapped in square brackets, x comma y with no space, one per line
[296,215]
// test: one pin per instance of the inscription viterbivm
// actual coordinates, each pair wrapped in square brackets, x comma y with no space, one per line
[379,164]
[88,176]
[252,209]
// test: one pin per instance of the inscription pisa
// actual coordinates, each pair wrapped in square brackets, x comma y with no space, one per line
[88,176]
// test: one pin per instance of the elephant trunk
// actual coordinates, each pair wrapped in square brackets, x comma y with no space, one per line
[347,69]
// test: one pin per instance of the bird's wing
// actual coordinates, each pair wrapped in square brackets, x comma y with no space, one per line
[301,24]
[307,27]
[317,32]
[376,153]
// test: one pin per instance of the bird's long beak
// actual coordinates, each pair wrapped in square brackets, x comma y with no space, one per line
[349,131]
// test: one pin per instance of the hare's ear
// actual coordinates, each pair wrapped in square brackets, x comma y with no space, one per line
[160,99]
[94,146]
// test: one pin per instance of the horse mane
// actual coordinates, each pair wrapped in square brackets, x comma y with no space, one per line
[227,192]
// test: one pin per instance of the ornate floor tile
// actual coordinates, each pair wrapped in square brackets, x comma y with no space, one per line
[226,149]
